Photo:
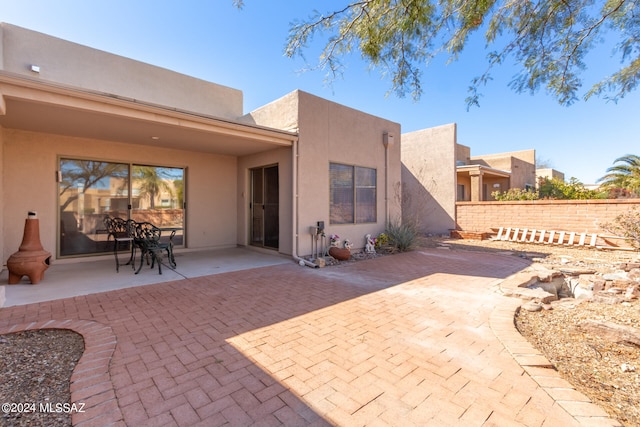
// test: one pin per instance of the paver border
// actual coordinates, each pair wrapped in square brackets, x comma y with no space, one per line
[539,368]
[90,383]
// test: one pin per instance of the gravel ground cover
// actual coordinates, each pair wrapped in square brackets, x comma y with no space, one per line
[35,367]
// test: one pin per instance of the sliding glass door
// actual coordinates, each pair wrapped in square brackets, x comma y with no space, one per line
[157,196]
[89,190]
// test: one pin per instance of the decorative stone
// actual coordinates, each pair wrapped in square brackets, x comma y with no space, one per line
[634,274]
[605,298]
[625,367]
[31,260]
[547,276]
[632,292]
[618,275]
[613,332]
[532,306]
[548,287]
[576,271]
[582,293]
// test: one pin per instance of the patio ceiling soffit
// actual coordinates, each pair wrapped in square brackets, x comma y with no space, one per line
[46,107]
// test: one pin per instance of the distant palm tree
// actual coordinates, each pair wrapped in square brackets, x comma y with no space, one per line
[625,176]
[150,183]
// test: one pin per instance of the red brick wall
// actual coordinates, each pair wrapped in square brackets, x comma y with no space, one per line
[581,216]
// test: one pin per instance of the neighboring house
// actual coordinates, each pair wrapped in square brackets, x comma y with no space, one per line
[438,172]
[85,133]
[548,173]
[496,172]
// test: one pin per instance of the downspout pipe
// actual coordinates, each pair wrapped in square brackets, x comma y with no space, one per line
[387,141]
[294,172]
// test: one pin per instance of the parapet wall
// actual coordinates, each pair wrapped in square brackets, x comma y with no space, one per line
[581,216]
[70,64]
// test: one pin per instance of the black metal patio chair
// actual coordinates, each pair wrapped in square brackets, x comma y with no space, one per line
[147,240]
[121,231]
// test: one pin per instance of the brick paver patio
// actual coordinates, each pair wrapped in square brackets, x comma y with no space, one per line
[400,340]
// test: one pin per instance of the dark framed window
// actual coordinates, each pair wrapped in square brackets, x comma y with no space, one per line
[353,192]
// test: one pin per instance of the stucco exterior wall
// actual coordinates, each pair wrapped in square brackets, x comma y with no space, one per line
[429,176]
[463,154]
[80,66]
[548,173]
[523,174]
[280,114]
[521,164]
[30,161]
[494,184]
[465,181]
[330,132]
[581,216]
[333,133]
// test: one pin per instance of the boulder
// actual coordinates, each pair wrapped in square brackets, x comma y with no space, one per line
[634,274]
[532,306]
[612,331]
[607,298]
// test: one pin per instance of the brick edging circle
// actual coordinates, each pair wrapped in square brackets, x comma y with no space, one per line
[541,370]
[90,382]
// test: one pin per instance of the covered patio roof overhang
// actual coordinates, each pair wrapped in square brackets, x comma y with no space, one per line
[31,105]
[39,106]
[477,174]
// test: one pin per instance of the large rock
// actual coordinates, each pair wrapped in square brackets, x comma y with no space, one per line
[634,274]
[581,289]
[613,332]
[628,266]
[576,271]
[607,298]
[532,306]
[547,276]
[617,275]
[527,294]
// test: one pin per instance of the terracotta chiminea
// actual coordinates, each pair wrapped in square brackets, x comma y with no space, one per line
[31,259]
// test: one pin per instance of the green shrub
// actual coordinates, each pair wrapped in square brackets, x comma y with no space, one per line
[558,189]
[401,236]
[515,194]
[550,188]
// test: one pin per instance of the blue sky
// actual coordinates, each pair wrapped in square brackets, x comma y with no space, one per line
[243,49]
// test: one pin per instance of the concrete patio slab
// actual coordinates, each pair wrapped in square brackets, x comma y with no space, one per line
[69,279]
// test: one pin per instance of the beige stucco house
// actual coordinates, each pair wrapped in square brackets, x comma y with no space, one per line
[479,176]
[85,133]
[548,173]
[437,172]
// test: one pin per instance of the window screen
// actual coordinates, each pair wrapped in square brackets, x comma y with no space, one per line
[352,193]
